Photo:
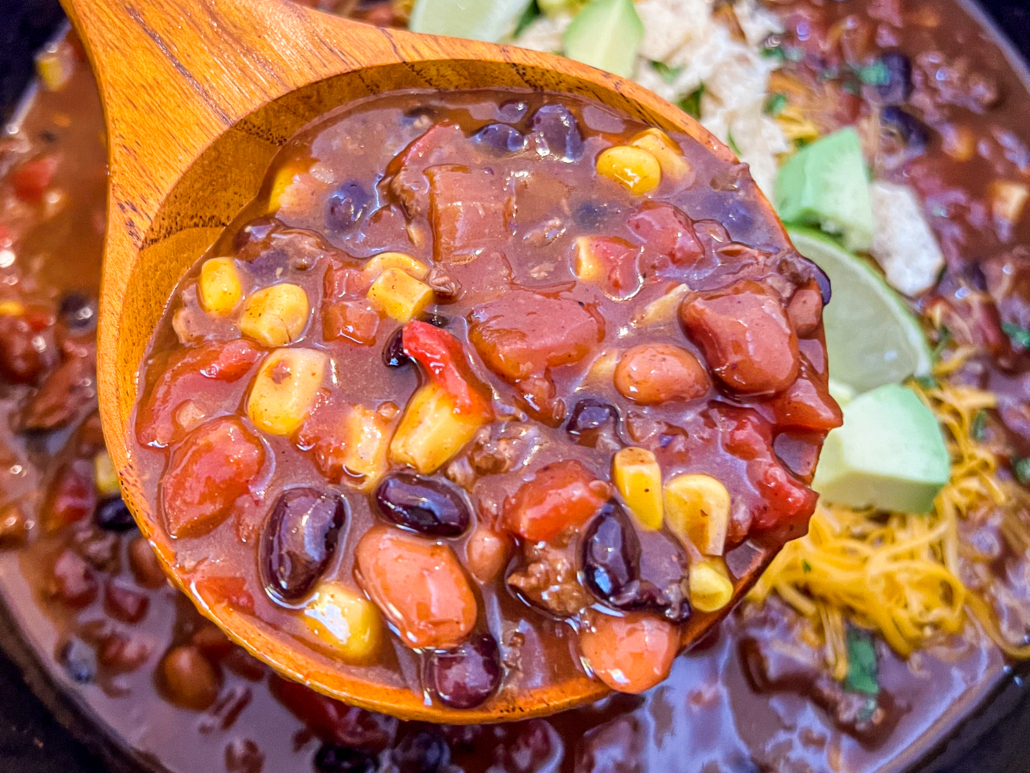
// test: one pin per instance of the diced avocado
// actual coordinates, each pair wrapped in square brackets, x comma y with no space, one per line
[889,454]
[606,34]
[825,184]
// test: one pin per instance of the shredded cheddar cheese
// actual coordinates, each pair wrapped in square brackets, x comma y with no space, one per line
[899,574]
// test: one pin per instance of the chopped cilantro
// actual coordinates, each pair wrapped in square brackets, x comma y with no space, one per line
[669,74]
[772,48]
[927,382]
[691,104]
[874,74]
[793,53]
[863,674]
[1021,469]
[775,103]
[1019,336]
[732,143]
[978,428]
[805,566]
[944,339]
[529,16]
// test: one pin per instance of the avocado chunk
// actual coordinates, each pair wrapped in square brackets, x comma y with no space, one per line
[889,454]
[825,185]
[606,34]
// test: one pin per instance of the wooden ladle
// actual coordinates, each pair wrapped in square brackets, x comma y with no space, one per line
[198,96]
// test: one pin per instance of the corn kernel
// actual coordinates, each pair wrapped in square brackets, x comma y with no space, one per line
[384,260]
[400,295]
[276,315]
[105,476]
[638,478]
[55,66]
[588,266]
[711,588]
[431,430]
[663,310]
[697,508]
[1008,199]
[285,388]
[635,168]
[366,439]
[670,157]
[285,178]
[345,620]
[602,370]
[11,309]
[220,286]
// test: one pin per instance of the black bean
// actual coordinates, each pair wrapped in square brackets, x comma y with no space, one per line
[513,111]
[500,138]
[623,575]
[332,758]
[424,752]
[466,676]
[112,515]
[347,206]
[436,320]
[898,87]
[78,311]
[425,505]
[912,133]
[559,129]
[592,215]
[825,287]
[299,540]
[393,352]
[589,419]
[79,660]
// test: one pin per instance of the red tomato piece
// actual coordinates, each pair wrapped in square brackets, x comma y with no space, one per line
[342,282]
[617,260]
[33,178]
[354,321]
[197,374]
[563,495]
[443,359]
[209,477]
[807,405]
[667,234]
[468,211]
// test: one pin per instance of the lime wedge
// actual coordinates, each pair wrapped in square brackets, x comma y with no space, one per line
[606,34]
[489,20]
[871,337]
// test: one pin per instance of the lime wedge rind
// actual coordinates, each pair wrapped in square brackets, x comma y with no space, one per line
[872,338]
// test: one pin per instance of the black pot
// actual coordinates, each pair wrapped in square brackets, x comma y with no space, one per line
[41,732]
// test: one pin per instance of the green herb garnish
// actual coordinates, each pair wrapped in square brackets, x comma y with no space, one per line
[805,566]
[530,15]
[978,427]
[863,674]
[669,74]
[775,103]
[1021,469]
[732,143]
[944,339]
[1019,336]
[874,73]
[926,382]
[691,104]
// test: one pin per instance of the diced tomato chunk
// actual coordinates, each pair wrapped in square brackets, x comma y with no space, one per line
[443,359]
[807,405]
[745,335]
[563,495]
[209,477]
[355,321]
[443,143]
[33,178]
[611,262]
[198,375]
[523,333]
[667,235]
[788,501]
[467,211]
[342,282]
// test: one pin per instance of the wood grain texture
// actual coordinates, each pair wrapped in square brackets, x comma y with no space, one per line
[198,97]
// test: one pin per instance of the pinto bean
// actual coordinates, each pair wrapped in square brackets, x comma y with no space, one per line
[651,374]
[632,653]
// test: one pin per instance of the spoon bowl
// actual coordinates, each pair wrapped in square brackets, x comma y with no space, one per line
[199,95]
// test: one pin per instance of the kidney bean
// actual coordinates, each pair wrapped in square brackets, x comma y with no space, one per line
[299,540]
[72,581]
[122,654]
[144,564]
[332,758]
[79,660]
[745,335]
[652,374]
[623,576]
[486,554]
[424,752]
[347,206]
[418,585]
[67,393]
[113,515]
[466,676]
[559,130]
[333,721]
[668,236]
[425,505]
[124,603]
[208,475]
[562,495]
[500,138]
[632,653]
[100,549]
[189,679]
